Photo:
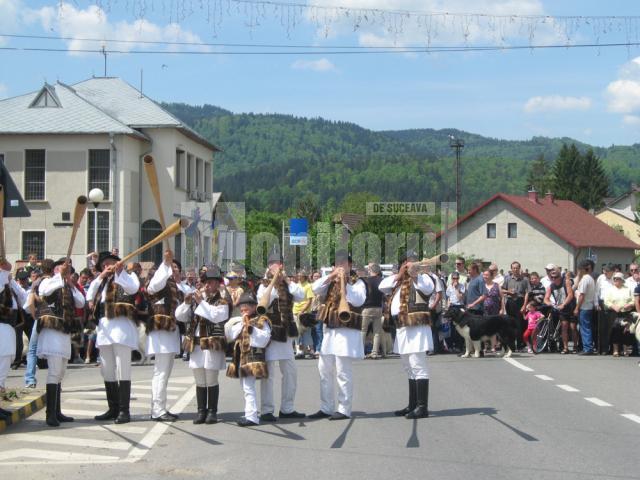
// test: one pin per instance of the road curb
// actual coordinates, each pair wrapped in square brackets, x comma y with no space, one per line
[27,406]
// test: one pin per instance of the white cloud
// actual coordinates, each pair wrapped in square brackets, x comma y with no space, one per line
[631,120]
[321,65]
[623,94]
[3,91]
[92,22]
[9,17]
[554,103]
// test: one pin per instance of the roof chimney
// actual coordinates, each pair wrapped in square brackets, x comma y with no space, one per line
[548,197]
[532,195]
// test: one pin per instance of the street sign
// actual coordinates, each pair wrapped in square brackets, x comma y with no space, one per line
[298,231]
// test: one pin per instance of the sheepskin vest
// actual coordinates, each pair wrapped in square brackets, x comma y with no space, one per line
[8,314]
[117,303]
[58,311]
[280,314]
[162,316]
[414,305]
[248,361]
[210,335]
[329,310]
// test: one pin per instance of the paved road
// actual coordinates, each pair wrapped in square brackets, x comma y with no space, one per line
[542,417]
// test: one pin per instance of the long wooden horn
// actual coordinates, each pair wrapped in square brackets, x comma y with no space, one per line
[152,176]
[169,232]
[78,215]
[2,247]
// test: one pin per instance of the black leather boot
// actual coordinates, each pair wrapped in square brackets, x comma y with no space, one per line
[412,400]
[124,396]
[111,389]
[59,415]
[201,399]
[212,404]
[422,408]
[52,400]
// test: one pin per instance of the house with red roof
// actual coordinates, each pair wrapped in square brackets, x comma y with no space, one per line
[537,231]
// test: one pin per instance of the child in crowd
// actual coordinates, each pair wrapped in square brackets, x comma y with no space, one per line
[532,317]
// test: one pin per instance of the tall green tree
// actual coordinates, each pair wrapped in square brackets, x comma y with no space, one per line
[565,171]
[540,175]
[594,181]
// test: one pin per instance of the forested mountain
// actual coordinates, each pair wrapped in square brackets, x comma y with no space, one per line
[271,161]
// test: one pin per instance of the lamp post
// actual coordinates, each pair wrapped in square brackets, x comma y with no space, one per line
[95,196]
[458,145]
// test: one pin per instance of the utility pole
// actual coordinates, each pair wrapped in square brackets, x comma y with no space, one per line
[104,52]
[457,144]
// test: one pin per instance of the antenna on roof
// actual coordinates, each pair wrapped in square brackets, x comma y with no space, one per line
[104,52]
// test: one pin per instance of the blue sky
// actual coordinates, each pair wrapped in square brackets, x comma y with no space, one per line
[588,94]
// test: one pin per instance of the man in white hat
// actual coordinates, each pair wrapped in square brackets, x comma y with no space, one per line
[546,281]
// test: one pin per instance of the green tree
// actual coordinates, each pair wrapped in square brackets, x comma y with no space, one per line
[593,181]
[540,175]
[565,173]
[356,202]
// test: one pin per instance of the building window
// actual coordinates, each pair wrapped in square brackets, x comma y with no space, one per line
[208,182]
[100,171]
[491,230]
[512,230]
[179,168]
[150,230]
[189,172]
[34,175]
[33,242]
[199,175]
[104,230]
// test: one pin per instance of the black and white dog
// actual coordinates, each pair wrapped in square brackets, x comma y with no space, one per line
[478,328]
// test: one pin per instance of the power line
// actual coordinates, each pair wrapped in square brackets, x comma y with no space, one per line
[327,52]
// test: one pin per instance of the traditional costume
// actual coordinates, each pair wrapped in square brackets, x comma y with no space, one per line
[251,334]
[117,335]
[206,344]
[56,317]
[280,349]
[409,309]
[163,336]
[12,297]
[341,342]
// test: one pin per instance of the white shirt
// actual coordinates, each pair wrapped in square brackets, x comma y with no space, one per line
[602,285]
[414,339]
[258,338]
[630,283]
[281,350]
[343,342]
[7,332]
[162,341]
[453,297]
[587,288]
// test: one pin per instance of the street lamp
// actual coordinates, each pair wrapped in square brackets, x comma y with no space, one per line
[96,195]
[457,144]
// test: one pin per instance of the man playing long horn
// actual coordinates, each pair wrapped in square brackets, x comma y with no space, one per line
[165,291]
[12,297]
[57,300]
[409,293]
[113,294]
[342,341]
[280,351]
[205,311]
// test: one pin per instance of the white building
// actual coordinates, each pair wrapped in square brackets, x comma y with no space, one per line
[64,140]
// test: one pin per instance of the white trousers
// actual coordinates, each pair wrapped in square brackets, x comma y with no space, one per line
[57,366]
[115,362]
[332,367]
[288,389]
[250,399]
[5,365]
[205,377]
[161,372]
[415,365]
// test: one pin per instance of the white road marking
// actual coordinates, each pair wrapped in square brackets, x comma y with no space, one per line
[546,378]
[52,456]
[598,402]
[185,380]
[567,388]
[111,428]
[134,395]
[66,440]
[148,387]
[156,432]
[90,402]
[631,416]
[517,364]
[83,413]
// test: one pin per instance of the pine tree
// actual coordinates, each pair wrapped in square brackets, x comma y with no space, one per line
[540,176]
[565,173]
[594,181]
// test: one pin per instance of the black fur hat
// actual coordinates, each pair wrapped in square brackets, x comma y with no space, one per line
[247,298]
[102,256]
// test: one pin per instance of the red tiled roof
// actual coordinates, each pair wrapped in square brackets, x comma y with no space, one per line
[564,218]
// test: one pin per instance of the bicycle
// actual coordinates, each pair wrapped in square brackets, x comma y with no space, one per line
[547,334]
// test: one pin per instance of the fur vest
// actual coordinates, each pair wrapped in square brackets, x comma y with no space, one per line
[248,361]
[329,310]
[8,314]
[162,316]
[280,314]
[414,305]
[210,335]
[57,311]
[117,303]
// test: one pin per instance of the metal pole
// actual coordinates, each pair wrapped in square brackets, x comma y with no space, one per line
[95,228]
[458,145]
